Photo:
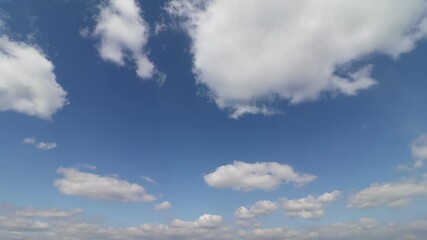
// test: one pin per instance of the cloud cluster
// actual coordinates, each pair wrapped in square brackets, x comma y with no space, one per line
[309,207]
[243,176]
[393,194]
[89,185]
[123,36]
[250,53]
[12,226]
[206,227]
[39,145]
[364,228]
[27,82]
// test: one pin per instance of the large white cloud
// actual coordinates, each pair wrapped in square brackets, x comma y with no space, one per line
[89,185]
[309,207]
[123,36]
[393,194]
[243,176]
[27,82]
[250,52]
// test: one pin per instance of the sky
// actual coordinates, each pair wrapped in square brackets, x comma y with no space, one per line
[213,119]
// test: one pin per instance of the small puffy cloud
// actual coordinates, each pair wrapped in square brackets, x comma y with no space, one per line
[163,206]
[123,36]
[393,194]
[259,208]
[89,185]
[27,82]
[309,207]
[40,145]
[252,53]
[243,176]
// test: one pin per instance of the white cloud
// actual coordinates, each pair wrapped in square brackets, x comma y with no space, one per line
[27,82]
[243,176]
[123,36]
[40,145]
[259,208]
[163,206]
[309,207]
[77,183]
[250,53]
[393,194]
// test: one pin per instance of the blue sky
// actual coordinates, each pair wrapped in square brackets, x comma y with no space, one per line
[281,120]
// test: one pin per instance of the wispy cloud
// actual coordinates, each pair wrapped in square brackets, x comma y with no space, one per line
[40,145]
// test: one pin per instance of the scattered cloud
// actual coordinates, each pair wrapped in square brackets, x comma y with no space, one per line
[123,36]
[243,176]
[252,53]
[27,82]
[40,145]
[393,194]
[89,185]
[163,206]
[309,207]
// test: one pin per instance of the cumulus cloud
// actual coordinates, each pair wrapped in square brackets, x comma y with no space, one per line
[393,194]
[123,36]
[309,207]
[163,206]
[39,145]
[27,82]
[251,53]
[243,176]
[89,185]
